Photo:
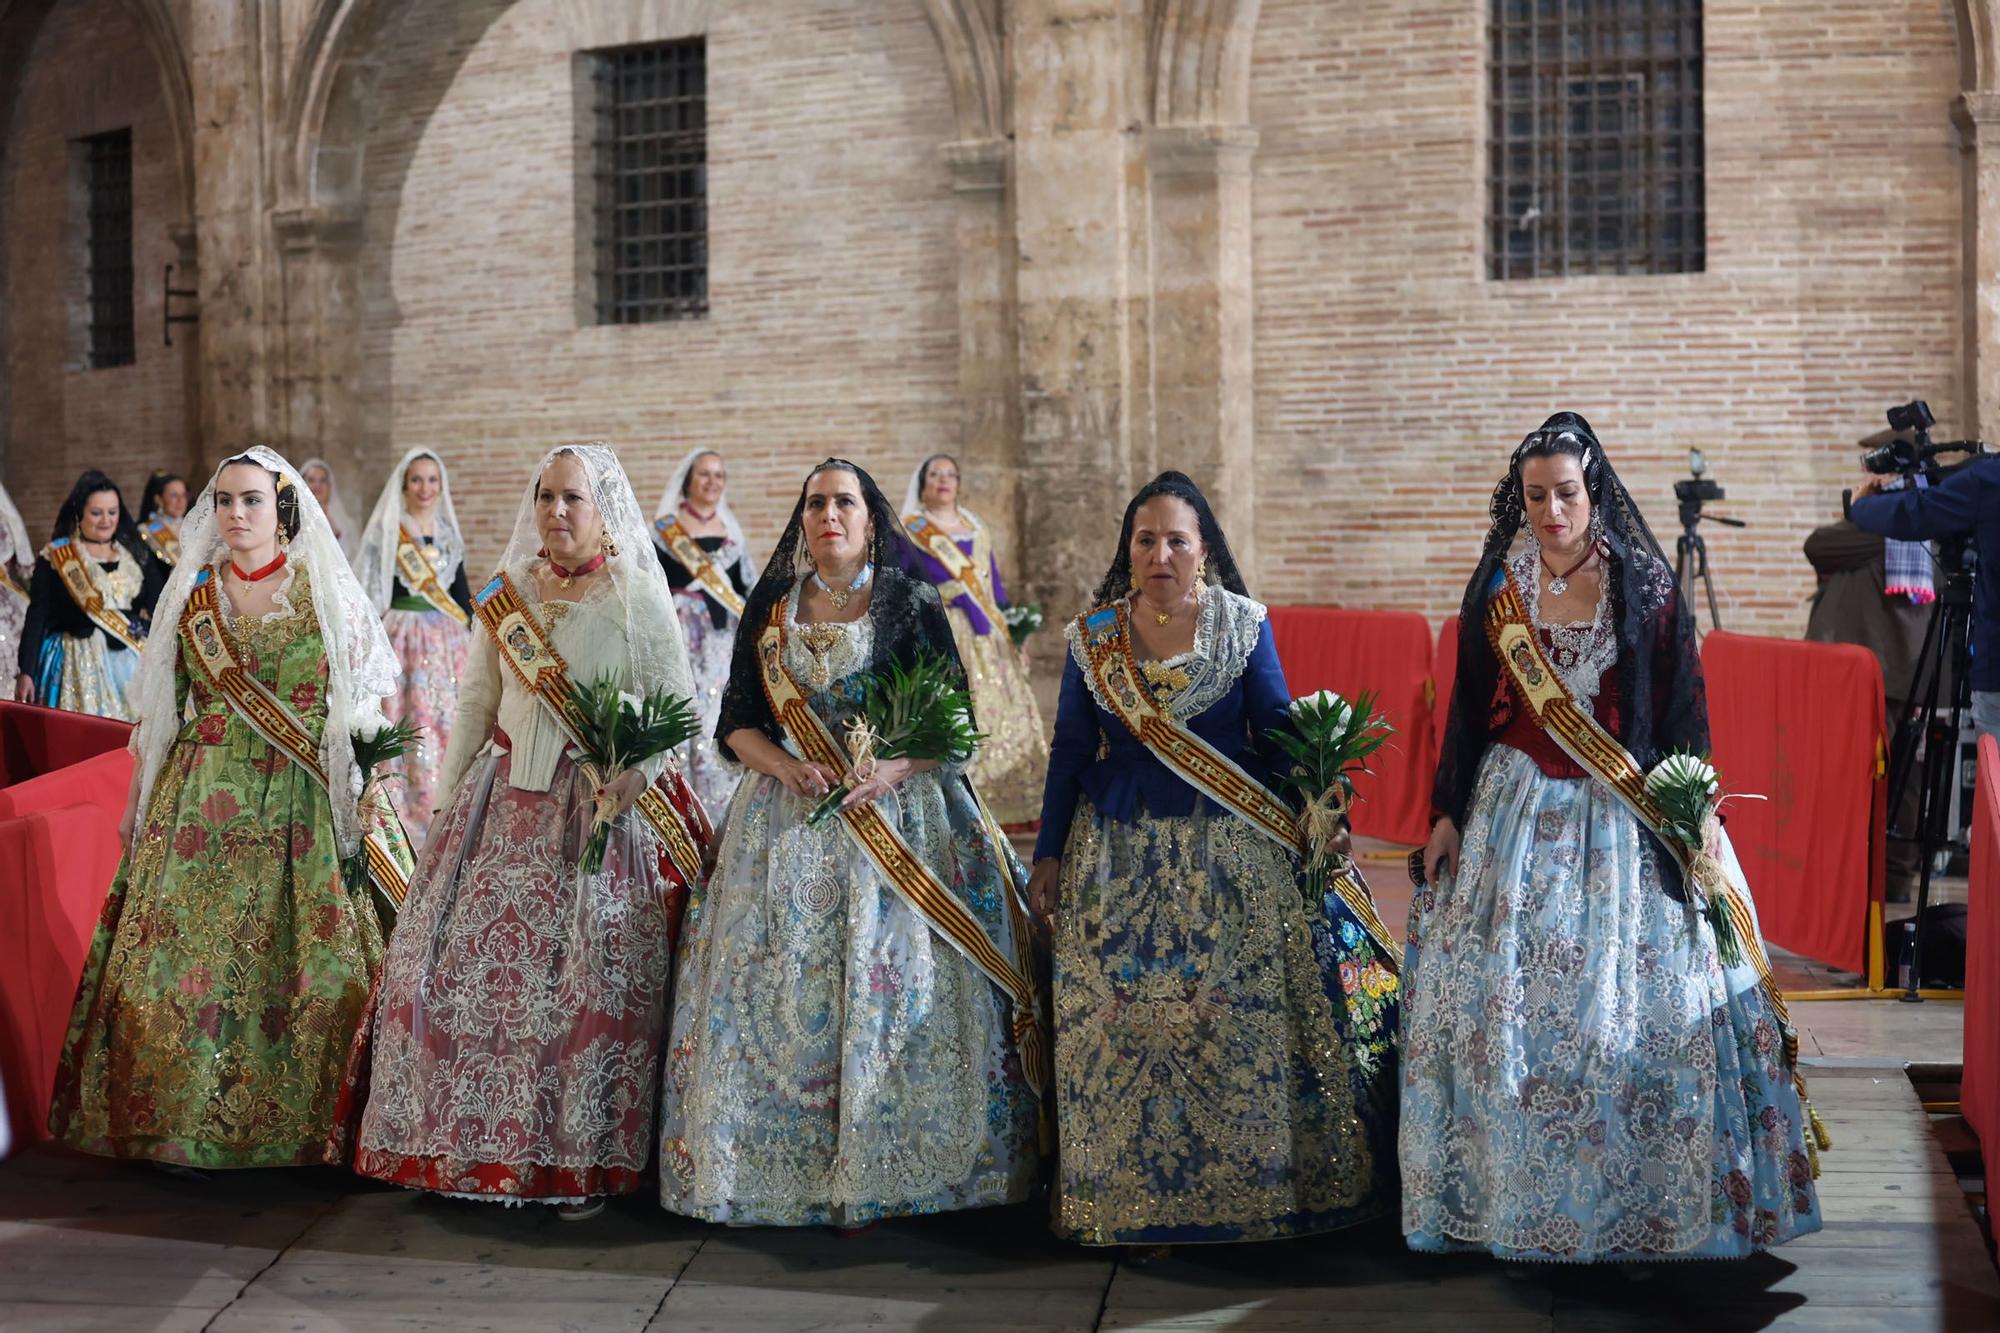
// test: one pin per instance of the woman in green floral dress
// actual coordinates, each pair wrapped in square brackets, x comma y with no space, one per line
[233,960]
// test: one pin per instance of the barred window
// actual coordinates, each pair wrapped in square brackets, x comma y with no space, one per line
[1595,146]
[107,163]
[651,178]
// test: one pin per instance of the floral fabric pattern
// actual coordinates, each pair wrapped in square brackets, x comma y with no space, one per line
[1224,1064]
[832,1059]
[231,965]
[515,1049]
[1582,1079]
[432,649]
[712,777]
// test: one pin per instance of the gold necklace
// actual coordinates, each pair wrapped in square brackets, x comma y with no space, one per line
[840,597]
[820,640]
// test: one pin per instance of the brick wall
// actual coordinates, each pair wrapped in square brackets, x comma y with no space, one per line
[833,326]
[89,72]
[1393,379]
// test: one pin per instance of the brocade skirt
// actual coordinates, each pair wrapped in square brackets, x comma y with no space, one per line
[1582,1079]
[1224,1058]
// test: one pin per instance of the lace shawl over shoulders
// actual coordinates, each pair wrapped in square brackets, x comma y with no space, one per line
[1224,637]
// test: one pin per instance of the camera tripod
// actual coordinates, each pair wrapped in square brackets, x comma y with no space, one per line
[1691,556]
[1936,726]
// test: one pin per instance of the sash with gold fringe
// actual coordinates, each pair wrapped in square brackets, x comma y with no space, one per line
[1511,632]
[420,576]
[966,576]
[912,880]
[166,543]
[531,655]
[73,573]
[267,715]
[1107,645]
[696,562]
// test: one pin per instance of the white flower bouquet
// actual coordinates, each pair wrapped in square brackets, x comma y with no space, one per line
[1689,795]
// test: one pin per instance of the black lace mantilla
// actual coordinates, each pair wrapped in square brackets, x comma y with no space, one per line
[1663,701]
[908,620]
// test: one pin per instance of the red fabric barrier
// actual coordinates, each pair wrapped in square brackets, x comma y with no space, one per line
[1445,671]
[66,777]
[1389,652]
[1979,1093]
[1802,724]
[37,740]
[56,865]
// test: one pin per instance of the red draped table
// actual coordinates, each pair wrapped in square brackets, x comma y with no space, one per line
[1802,725]
[63,782]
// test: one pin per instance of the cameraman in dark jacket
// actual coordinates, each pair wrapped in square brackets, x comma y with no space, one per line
[1966,503]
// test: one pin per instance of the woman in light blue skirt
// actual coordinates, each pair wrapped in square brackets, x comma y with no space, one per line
[1583,1078]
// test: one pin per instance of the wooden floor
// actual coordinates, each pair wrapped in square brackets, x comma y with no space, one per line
[94,1245]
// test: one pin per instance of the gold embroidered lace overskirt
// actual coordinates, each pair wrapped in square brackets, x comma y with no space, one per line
[231,964]
[1205,1082]
[1014,759]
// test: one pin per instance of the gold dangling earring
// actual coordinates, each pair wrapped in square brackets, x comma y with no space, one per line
[609,547]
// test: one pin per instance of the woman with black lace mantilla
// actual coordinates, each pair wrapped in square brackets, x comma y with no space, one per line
[1584,1077]
[1223,1062]
[844,1042]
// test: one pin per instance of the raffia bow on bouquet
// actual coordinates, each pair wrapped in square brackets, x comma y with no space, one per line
[1329,741]
[920,712]
[618,730]
[1690,795]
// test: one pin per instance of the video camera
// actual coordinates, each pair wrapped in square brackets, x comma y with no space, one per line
[1907,449]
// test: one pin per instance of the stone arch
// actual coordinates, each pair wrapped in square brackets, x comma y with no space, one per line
[1978,24]
[969,37]
[1198,61]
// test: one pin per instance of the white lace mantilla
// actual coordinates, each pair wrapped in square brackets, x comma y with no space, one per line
[1224,637]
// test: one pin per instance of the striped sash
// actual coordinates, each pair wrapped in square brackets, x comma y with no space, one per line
[966,576]
[696,562]
[73,572]
[267,715]
[165,541]
[420,576]
[529,653]
[1107,646]
[900,867]
[1511,632]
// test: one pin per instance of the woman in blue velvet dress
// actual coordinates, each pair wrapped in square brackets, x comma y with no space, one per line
[1223,1067]
[1583,1077]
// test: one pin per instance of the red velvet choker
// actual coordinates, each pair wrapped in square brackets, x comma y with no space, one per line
[565,576]
[697,514]
[258,576]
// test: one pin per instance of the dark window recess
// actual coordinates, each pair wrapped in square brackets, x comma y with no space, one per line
[651,176]
[1595,138]
[108,168]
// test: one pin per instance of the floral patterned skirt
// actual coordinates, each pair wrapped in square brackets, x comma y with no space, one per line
[1582,1079]
[1014,760]
[514,1053]
[1224,1060]
[432,648]
[228,974]
[833,1059]
[712,777]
